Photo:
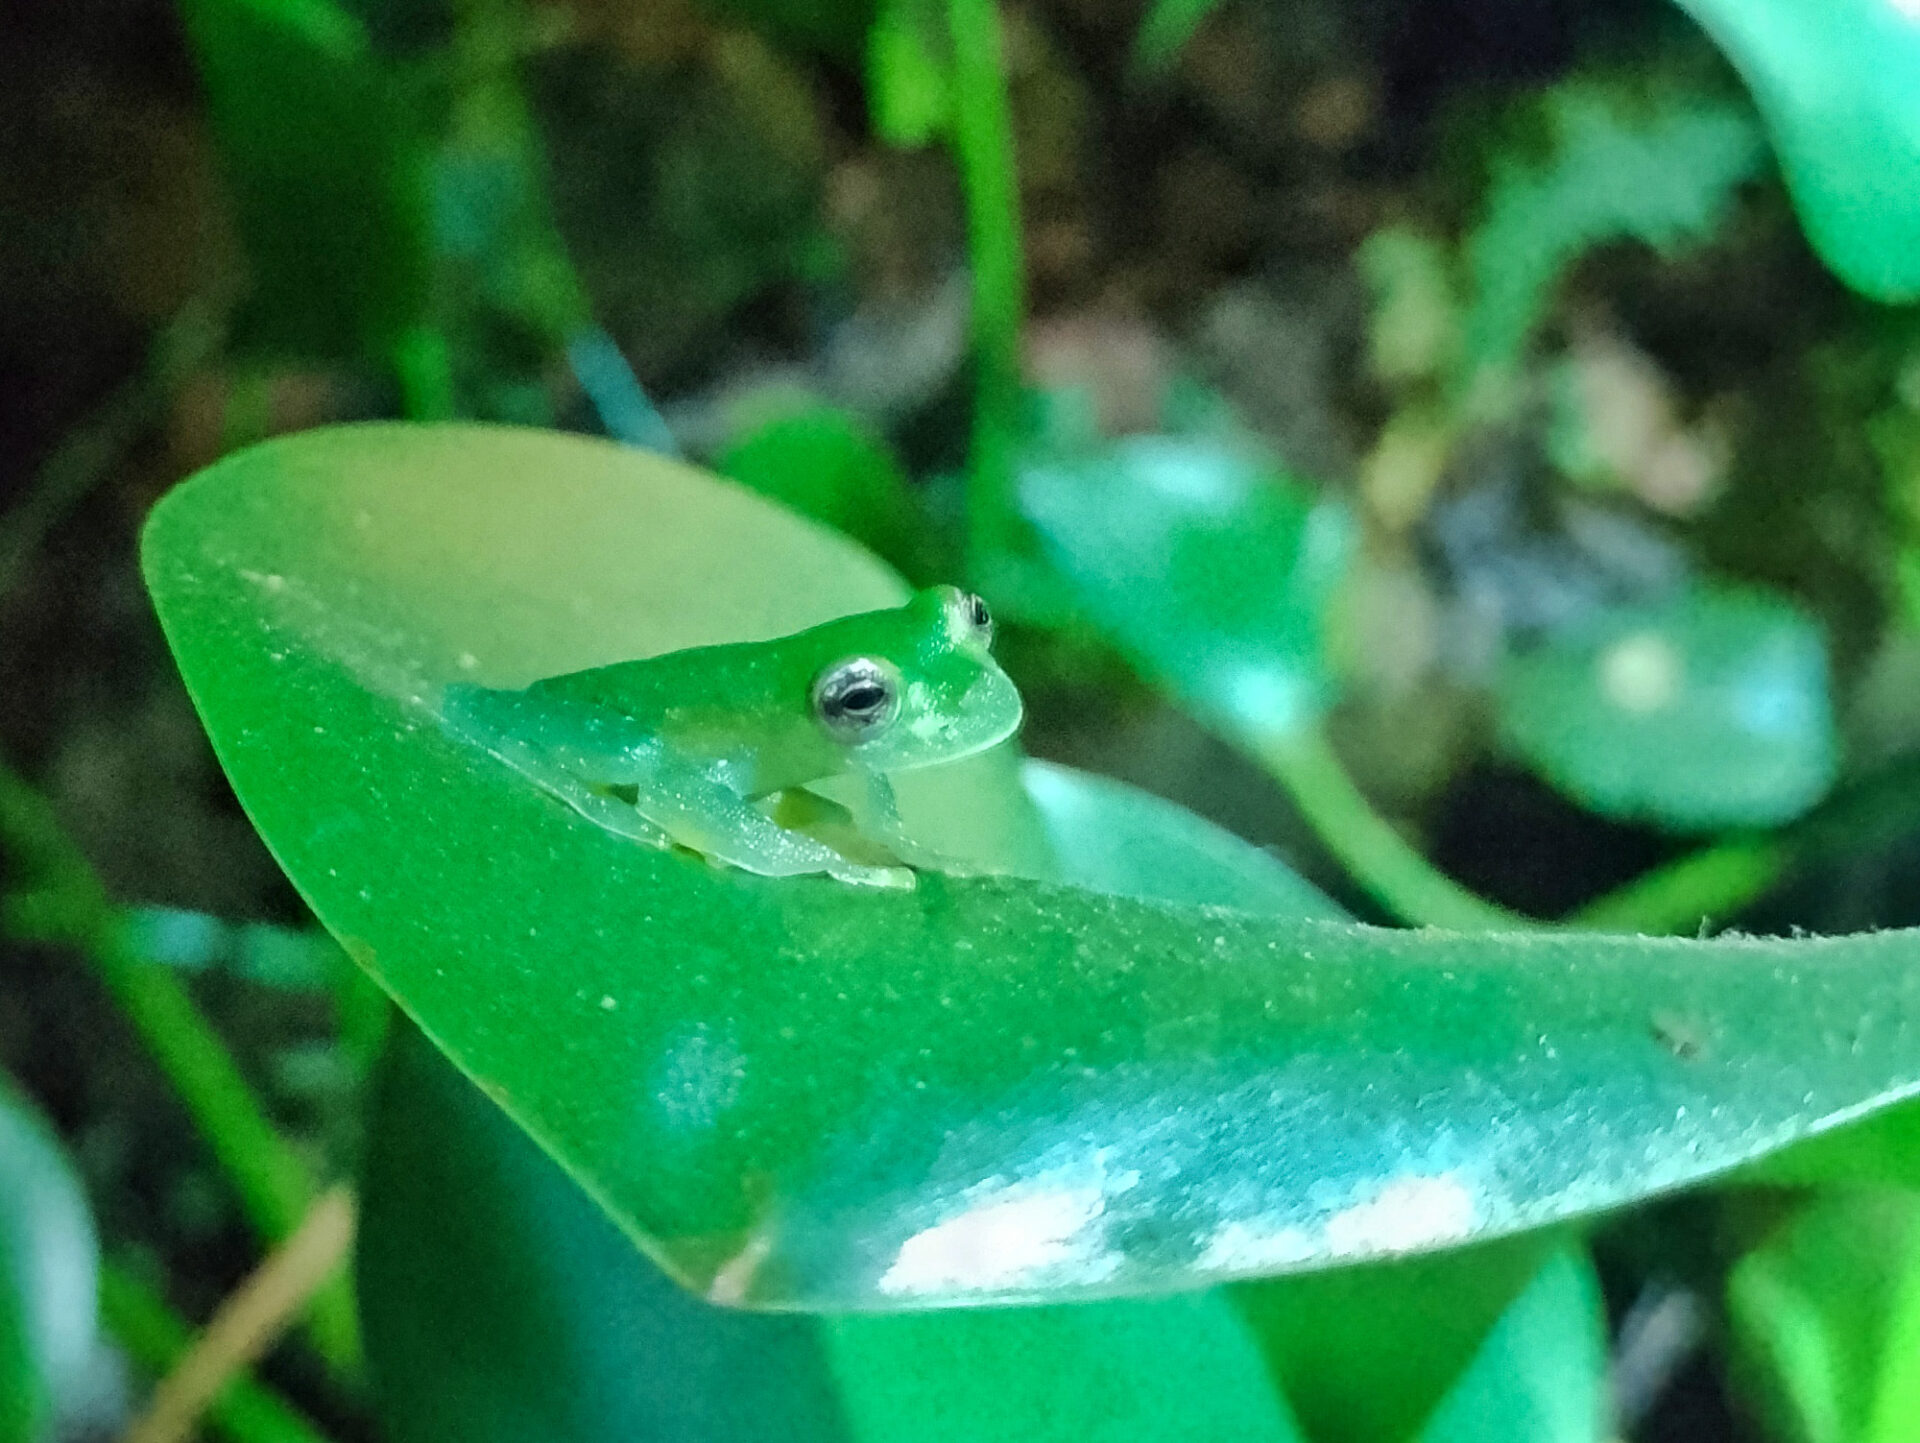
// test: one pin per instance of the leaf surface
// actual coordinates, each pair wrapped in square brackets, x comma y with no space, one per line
[987,1088]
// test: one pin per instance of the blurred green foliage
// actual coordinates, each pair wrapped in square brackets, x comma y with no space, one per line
[48,1262]
[1703,711]
[506,212]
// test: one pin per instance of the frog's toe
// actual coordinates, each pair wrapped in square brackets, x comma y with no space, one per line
[897,878]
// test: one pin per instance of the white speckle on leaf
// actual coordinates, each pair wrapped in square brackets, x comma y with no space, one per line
[1241,1246]
[698,1080]
[1406,1214]
[1042,1231]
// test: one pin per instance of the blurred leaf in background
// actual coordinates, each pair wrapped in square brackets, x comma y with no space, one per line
[1707,710]
[49,1262]
[826,464]
[1825,1317]
[326,154]
[1615,163]
[1206,564]
[1839,84]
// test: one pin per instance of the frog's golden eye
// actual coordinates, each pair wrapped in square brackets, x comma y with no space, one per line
[858,698]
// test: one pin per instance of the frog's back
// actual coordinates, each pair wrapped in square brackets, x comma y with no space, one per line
[732,681]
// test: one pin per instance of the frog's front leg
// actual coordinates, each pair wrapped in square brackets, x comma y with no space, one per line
[879,820]
[624,779]
[699,810]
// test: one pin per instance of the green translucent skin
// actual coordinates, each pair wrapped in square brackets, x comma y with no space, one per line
[701,748]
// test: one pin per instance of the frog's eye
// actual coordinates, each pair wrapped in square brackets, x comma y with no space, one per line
[968,619]
[978,614]
[857,698]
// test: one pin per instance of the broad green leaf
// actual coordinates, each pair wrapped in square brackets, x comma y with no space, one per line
[327,170]
[1823,1317]
[1839,84]
[825,464]
[1366,1354]
[1659,167]
[1707,710]
[1182,1369]
[1541,1374]
[984,1088]
[501,1305]
[1206,564]
[1882,1150]
[526,1313]
[49,1262]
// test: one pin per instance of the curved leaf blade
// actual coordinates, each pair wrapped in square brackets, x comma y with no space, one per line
[1838,82]
[49,1264]
[798,1094]
[526,1312]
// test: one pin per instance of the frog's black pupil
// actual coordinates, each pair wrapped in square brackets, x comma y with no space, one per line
[867,696]
[977,609]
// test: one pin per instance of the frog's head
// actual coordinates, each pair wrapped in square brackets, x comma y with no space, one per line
[922,688]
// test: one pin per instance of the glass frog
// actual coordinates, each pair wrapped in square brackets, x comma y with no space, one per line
[717,748]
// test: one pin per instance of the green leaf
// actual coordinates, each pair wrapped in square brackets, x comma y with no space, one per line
[1110,837]
[1541,1374]
[1206,564]
[1884,1149]
[805,1094]
[49,1263]
[1823,1318]
[1366,1354]
[1175,1370]
[1659,168]
[524,1313]
[1709,710]
[824,463]
[1838,82]
[327,170]
[527,1313]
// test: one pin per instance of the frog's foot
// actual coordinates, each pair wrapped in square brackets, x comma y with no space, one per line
[899,878]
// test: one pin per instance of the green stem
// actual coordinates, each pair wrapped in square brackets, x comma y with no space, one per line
[1874,811]
[424,368]
[156,1339]
[70,906]
[1689,893]
[983,142]
[1379,858]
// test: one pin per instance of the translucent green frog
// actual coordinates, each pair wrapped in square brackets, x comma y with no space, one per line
[719,748]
